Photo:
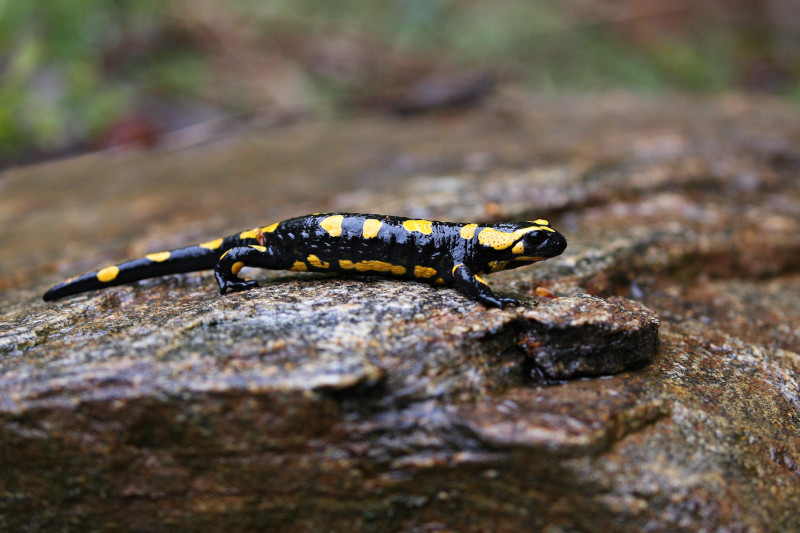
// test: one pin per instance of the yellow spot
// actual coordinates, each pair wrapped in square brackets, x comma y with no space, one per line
[211,245]
[333,225]
[519,248]
[468,231]
[480,279]
[371,227]
[108,274]
[529,258]
[380,266]
[372,266]
[540,222]
[270,228]
[500,240]
[250,234]
[424,272]
[440,281]
[422,226]
[158,257]
[259,248]
[456,268]
[223,255]
[314,261]
[497,266]
[237,266]
[299,266]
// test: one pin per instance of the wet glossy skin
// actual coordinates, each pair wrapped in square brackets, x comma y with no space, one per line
[355,244]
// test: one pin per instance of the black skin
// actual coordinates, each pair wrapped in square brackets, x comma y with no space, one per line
[394,252]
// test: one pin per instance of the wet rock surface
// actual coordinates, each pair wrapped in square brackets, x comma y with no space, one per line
[658,391]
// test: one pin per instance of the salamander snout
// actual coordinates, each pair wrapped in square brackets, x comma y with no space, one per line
[556,244]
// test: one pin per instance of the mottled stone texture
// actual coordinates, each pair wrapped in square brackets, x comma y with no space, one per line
[658,392]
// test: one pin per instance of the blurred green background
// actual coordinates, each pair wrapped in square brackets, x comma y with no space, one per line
[77,75]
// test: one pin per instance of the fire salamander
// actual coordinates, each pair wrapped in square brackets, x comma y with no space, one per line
[423,250]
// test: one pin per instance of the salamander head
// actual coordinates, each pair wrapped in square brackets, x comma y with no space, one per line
[543,241]
[515,244]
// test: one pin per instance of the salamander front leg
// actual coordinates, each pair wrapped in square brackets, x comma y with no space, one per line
[474,287]
[227,269]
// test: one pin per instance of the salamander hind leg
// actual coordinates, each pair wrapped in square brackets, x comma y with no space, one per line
[227,268]
[474,287]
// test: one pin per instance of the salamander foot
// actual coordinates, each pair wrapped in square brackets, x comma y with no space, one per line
[227,286]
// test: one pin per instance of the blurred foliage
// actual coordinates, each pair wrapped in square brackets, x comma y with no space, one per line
[72,69]
[58,84]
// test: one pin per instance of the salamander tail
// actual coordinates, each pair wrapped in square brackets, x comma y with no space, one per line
[189,259]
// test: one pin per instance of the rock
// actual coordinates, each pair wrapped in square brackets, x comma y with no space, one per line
[658,391]
[574,337]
